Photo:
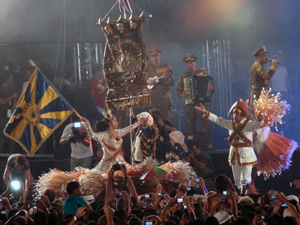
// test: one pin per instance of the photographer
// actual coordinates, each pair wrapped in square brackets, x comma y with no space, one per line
[81,144]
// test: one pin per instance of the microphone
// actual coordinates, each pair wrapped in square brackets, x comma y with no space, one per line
[270,60]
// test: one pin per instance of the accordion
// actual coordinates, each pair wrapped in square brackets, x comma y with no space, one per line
[197,89]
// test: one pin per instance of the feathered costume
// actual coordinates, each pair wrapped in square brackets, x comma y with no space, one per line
[273,151]
[93,181]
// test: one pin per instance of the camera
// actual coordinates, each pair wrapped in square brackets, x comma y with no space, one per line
[283,205]
[147,195]
[34,203]
[262,217]
[188,188]
[197,180]
[159,193]
[119,194]
[293,184]
[273,197]
[224,192]
[76,125]
[165,201]
[39,197]
[223,200]
[184,207]
[179,199]
[0,199]
[148,222]
[144,207]
[245,185]
[3,212]
[116,167]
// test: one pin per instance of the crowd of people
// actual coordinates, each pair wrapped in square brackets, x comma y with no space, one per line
[121,204]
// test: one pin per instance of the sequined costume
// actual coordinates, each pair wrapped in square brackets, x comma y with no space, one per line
[111,145]
[177,153]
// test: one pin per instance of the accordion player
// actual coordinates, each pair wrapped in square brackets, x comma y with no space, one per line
[198,88]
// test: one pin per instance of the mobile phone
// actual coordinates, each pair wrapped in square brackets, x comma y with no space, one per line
[148,222]
[273,197]
[116,167]
[144,207]
[76,124]
[197,180]
[165,201]
[283,205]
[119,194]
[34,203]
[39,197]
[184,207]
[292,184]
[223,200]
[189,188]
[179,199]
[0,199]
[224,192]
[3,212]
[159,193]
[245,185]
[147,195]
[262,217]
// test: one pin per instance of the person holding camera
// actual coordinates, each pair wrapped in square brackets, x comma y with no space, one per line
[81,143]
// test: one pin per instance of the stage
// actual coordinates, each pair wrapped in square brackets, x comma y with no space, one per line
[43,163]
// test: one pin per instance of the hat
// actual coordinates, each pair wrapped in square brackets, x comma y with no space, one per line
[154,51]
[286,213]
[292,198]
[260,51]
[222,216]
[189,57]
[241,105]
[177,136]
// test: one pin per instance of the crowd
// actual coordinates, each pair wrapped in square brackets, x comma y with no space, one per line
[123,205]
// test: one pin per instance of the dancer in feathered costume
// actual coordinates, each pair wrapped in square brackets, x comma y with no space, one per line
[273,151]
[93,181]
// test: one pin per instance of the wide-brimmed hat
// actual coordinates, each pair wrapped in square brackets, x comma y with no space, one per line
[222,216]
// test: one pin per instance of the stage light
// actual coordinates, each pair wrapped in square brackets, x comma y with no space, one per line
[15,185]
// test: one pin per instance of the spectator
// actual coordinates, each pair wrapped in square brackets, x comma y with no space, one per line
[75,199]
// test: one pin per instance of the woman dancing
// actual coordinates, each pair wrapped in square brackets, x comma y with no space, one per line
[110,138]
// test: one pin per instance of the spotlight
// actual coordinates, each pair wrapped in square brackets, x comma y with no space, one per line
[15,185]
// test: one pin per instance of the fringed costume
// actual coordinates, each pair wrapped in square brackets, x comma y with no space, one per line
[273,151]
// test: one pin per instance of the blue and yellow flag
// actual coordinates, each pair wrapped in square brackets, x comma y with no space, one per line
[40,110]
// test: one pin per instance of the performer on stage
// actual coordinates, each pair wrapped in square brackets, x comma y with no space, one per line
[241,154]
[179,150]
[146,137]
[191,114]
[259,76]
[110,137]
[160,80]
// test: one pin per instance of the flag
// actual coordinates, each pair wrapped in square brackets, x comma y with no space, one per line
[40,110]
[125,4]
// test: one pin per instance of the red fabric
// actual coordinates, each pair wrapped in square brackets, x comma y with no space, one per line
[276,155]
[98,97]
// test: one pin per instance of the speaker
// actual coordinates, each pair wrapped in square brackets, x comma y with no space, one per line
[200,138]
